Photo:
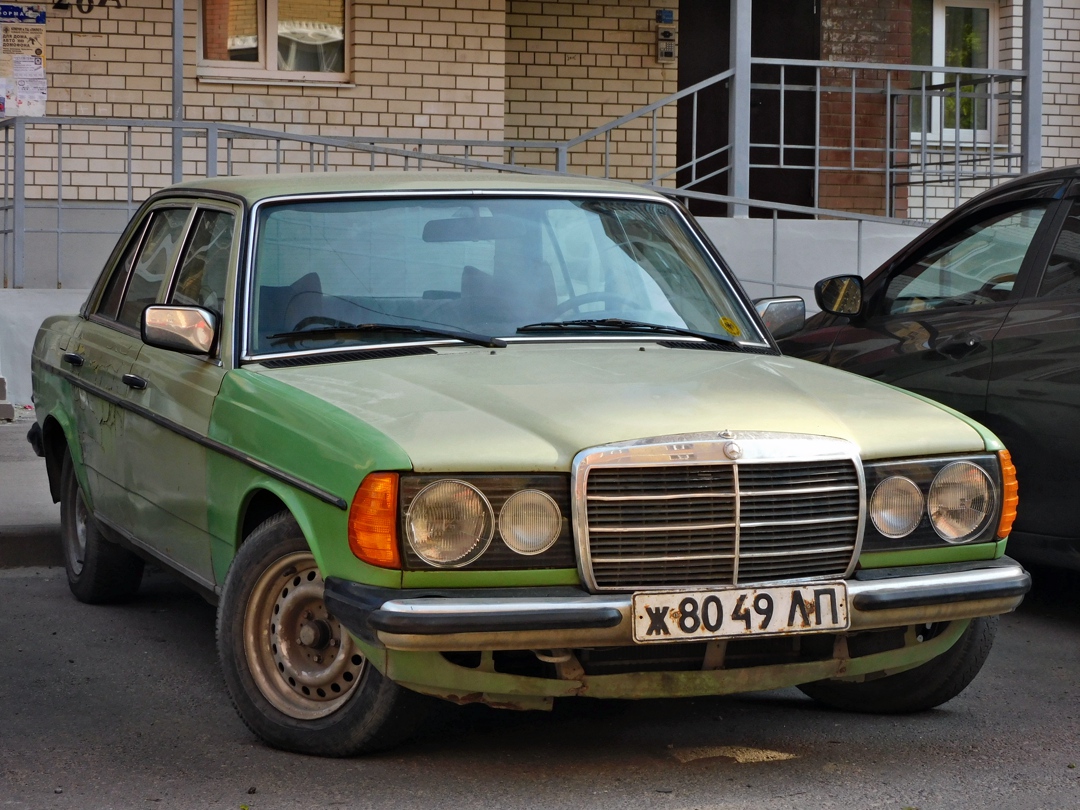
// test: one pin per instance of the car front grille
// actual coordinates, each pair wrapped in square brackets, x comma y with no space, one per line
[695,524]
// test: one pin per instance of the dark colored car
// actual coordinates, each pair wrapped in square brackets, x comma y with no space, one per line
[982,313]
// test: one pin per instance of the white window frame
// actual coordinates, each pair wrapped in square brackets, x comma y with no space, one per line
[259,71]
[935,104]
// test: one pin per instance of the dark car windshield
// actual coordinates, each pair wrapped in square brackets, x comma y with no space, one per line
[484,266]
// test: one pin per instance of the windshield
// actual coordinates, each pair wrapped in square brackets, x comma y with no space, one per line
[485,266]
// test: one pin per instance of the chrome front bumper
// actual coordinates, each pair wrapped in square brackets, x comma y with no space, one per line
[548,618]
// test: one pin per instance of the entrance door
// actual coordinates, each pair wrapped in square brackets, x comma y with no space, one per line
[781,29]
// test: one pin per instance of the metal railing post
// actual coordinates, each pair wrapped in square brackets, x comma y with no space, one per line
[211,150]
[1031,114]
[59,198]
[18,212]
[739,100]
[178,90]
[18,204]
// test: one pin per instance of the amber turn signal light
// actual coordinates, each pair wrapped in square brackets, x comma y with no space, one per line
[1009,494]
[373,521]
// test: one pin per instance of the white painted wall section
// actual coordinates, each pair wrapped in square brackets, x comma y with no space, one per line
[788,256]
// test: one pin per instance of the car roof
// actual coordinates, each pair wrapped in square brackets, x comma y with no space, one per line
[1036,178]
[262,187]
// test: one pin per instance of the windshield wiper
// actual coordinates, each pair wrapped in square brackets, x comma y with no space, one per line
[363,328]
[625,325]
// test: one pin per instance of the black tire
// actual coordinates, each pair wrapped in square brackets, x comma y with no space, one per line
[98,571]
[924,687]
[293,672]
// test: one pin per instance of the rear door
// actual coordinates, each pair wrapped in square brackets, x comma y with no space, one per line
[102,352]
[1034,390]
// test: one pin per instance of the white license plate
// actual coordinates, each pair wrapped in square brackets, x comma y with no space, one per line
[775,610]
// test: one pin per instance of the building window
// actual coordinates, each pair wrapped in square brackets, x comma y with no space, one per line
[955,34]
[307,42]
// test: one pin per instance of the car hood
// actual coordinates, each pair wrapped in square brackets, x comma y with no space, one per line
[535,406]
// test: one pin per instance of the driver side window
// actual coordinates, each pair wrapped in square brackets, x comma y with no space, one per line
[977,265]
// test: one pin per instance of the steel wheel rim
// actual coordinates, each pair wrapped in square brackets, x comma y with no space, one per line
[75,534]
[301,659]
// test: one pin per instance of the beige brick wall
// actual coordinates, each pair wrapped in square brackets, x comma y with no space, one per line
[416,68]
[1061,83]
[574,66]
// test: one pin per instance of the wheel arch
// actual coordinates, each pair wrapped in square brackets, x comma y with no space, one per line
[267,498]
[261,505]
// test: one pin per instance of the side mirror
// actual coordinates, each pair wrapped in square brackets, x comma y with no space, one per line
[840,295]
[782,316]
[180,329]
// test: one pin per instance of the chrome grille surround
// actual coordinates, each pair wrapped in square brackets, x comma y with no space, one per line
[701,511]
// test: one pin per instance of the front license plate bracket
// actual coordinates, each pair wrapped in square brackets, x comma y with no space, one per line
[740,612]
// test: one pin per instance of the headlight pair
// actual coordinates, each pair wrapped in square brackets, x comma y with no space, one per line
[927,501]
[417,521]
[486,522]
[450,523]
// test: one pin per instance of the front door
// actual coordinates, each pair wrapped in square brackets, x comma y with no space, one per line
[782,29]
[931,321]
[177,395]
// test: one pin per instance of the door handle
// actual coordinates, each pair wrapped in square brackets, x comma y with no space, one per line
[959,346]
[73,358]
[133,381]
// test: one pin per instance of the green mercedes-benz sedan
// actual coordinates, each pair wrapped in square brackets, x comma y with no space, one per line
[503,439]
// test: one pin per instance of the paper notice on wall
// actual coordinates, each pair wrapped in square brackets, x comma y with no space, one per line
[28,67]
[31,95]
[22,60]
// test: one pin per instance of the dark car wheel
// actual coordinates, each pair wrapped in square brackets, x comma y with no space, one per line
[918,689]
[98,571]
[294,674]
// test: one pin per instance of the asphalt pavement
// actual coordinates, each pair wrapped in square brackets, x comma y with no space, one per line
[29,520]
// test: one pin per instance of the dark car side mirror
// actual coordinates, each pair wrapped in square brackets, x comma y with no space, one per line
[181,329]
[840,295]
[782,316]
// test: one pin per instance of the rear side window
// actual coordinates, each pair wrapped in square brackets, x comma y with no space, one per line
[153,265]
[977,265]
[1062,276]
[114,289]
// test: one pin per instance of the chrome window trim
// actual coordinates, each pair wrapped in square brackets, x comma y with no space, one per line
[696,449]
[247,272]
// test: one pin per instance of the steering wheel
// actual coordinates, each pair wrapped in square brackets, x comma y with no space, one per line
[991,291]
[576,302]
[319,320]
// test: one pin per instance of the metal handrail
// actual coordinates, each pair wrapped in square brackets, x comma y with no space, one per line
[942,158]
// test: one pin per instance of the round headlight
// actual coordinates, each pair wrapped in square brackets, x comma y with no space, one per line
[960,502]
[530,521]
[449,523]
[896,507]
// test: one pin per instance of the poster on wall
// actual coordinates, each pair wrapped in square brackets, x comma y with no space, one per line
[22,61]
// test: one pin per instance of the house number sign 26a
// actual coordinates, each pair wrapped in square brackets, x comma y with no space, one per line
[85,6]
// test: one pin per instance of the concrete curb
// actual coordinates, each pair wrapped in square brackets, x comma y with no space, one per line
[30,546]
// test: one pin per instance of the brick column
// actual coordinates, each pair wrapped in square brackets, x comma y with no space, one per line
[861,31]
